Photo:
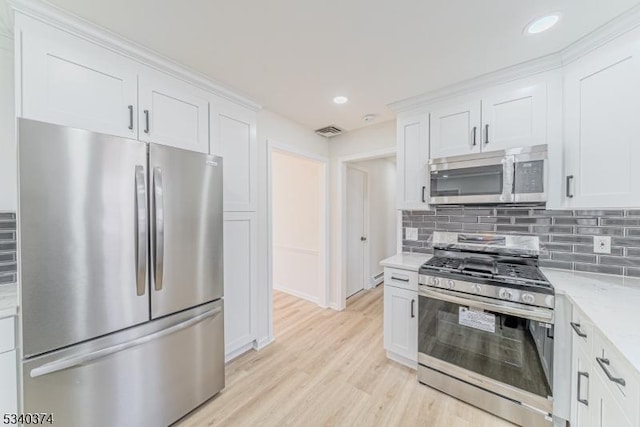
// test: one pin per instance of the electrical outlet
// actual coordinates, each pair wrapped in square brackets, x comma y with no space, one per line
[412,234]
[602,244]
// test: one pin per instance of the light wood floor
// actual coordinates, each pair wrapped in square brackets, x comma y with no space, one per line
[329,368]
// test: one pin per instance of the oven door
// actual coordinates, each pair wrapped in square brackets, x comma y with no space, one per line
[498,348]
[488,180]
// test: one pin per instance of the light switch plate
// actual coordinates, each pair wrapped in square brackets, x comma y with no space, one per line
[602,244]
[412,234]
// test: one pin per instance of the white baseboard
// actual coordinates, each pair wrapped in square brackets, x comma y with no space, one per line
[402,360]
[296,293]
[238,352]
[377,279]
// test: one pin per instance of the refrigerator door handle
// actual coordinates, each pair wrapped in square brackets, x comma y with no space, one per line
[141,230]
[158,206]
[82,359]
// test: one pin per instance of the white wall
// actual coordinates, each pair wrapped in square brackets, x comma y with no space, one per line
[8,160]
[276,128]
[374,138]
[298,203]
[382,211]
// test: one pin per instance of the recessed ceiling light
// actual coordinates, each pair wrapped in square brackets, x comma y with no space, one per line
[340,99]
[541,24]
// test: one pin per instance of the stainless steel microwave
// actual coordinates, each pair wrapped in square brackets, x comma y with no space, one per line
[516,175]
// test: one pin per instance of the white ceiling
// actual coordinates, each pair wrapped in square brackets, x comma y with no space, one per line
[294,56]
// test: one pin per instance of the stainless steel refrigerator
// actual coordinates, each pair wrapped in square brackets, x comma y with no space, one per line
[121,277]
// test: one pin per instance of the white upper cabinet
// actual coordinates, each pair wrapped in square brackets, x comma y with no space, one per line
[412,156]
[69,81]
[602,142]
[455,129]
[233,136]
[173,112]
[514,117]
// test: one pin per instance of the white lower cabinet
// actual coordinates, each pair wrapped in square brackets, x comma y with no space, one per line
[8,365]
[401,321]
[605,389]
[240,278]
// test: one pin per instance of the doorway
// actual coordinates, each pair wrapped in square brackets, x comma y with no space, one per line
[357,229]
[297,227]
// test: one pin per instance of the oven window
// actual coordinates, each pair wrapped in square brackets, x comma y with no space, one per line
[476,181]
[498,346]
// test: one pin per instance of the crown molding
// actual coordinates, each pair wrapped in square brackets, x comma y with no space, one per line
[597,38]
[61,19]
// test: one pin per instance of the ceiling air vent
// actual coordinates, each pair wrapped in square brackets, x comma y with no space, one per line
[329,131]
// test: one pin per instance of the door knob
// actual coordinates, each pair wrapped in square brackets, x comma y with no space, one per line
[363,238]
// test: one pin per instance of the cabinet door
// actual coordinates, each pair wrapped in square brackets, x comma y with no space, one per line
[8,385]
[581,398]
[455,129]
[401,322]
[605,411]
[602,151]
[515,117]
[413,155]
[233,136]
[69,81]
[173,112]
[240,278]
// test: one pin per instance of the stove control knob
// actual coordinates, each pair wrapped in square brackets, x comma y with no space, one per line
[451,284]
[505,294]
[476,288]
[434,281]
[528,298]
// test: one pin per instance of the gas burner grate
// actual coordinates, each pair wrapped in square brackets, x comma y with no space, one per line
[443,264]
[528,273]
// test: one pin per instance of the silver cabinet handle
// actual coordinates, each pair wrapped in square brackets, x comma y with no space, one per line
[568,186]
[576,327]
[72,361]
[486,134]
[141,230]
[585,402]
[146,121]
[413,303]
[399,278]
[603,364]
[158,225]
[475,129]
[424,188]
[130,117]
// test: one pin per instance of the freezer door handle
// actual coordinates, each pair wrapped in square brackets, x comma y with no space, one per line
[158,205]
[141,230]
[82,359]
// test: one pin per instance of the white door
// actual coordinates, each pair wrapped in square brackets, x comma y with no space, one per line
[8,385]
[455,129]
[581,397]
[514,118]
[69,81]
[605,410]
[401,322]
[173,112]
[356,237]
[602,100]
[233,136]
[240,278]
[413,155]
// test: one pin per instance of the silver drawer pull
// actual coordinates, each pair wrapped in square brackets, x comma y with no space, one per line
[603,364]
[576,327]
[580,375]
[399,278]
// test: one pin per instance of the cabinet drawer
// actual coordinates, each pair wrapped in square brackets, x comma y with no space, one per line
[581,326]
[7,334]
[401,278]
[628,395]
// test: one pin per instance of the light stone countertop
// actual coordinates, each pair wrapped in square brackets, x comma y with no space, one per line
[612,303]
[8,300]
[406,261]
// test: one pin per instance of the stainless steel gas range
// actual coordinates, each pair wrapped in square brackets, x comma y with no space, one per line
[485,331]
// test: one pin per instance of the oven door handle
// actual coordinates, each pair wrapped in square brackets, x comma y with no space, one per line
[540,315]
